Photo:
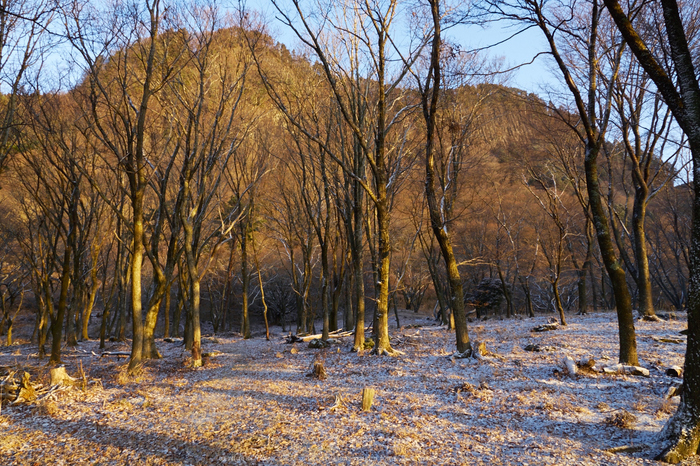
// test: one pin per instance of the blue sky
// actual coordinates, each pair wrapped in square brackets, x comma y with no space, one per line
[536,77]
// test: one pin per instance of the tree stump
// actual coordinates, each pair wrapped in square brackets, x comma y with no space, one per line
[367,398]
[59,376]
[318,371]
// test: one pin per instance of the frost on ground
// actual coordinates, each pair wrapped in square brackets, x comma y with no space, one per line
[253,403]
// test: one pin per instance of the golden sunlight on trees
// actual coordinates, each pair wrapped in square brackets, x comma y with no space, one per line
[176,184]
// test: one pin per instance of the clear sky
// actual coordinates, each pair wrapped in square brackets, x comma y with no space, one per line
[536,76]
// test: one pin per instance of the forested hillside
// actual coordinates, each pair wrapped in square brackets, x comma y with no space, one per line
[184,175]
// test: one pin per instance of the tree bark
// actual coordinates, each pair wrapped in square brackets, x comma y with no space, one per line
[437,223]
[681,435]
[645,299]
[245,277]
[616,271]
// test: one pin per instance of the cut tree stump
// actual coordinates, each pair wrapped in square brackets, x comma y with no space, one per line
[59,376]
[367,398]
[319,372]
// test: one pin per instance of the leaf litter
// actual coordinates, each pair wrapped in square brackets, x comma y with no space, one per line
[252,402]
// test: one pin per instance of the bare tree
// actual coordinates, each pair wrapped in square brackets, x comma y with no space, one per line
[675,76]
[24,36]
[204,109]
[555,251]
[119,92]
[581,72]
[645,127]
[360,28]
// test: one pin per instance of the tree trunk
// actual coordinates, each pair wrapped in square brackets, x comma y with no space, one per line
[557,301]
[525,285]
[506,291]
[382,345]
[57,321]
[87,312]
[348,314]
[136,304]
[325,304]
[245,279]
[436,221]
[681,435]
[616,272]
[357,254]
[646,300]
[45,311]
[262,289]
[166,311]
[149,350]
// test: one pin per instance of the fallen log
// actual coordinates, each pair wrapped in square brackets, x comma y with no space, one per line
[115,353]
[318,336]
[546,327]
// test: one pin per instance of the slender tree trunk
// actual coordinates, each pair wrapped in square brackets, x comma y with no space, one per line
[57,321]
[506,291]
[245,278]
[616,271]
[181,296]
[325,304]
[348,310]
[382,345]
[87,312]
[262,288]
[594,288]
[646,300]
[136,304]
[557,300]
[227,294]
[436,221]
[583,273]
[528,296]
[44,310]
[357,251]
[166,311]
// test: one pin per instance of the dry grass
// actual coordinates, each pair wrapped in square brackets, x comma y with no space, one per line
[46,408]
[622,419]
[11,442]
[666,407]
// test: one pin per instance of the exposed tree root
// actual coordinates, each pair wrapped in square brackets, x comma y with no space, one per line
[680,438]
[387,351]
[134,370]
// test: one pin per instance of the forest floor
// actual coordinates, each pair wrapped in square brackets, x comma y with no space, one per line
[253,403]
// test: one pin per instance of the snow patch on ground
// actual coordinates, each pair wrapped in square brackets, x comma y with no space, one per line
[255,404]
